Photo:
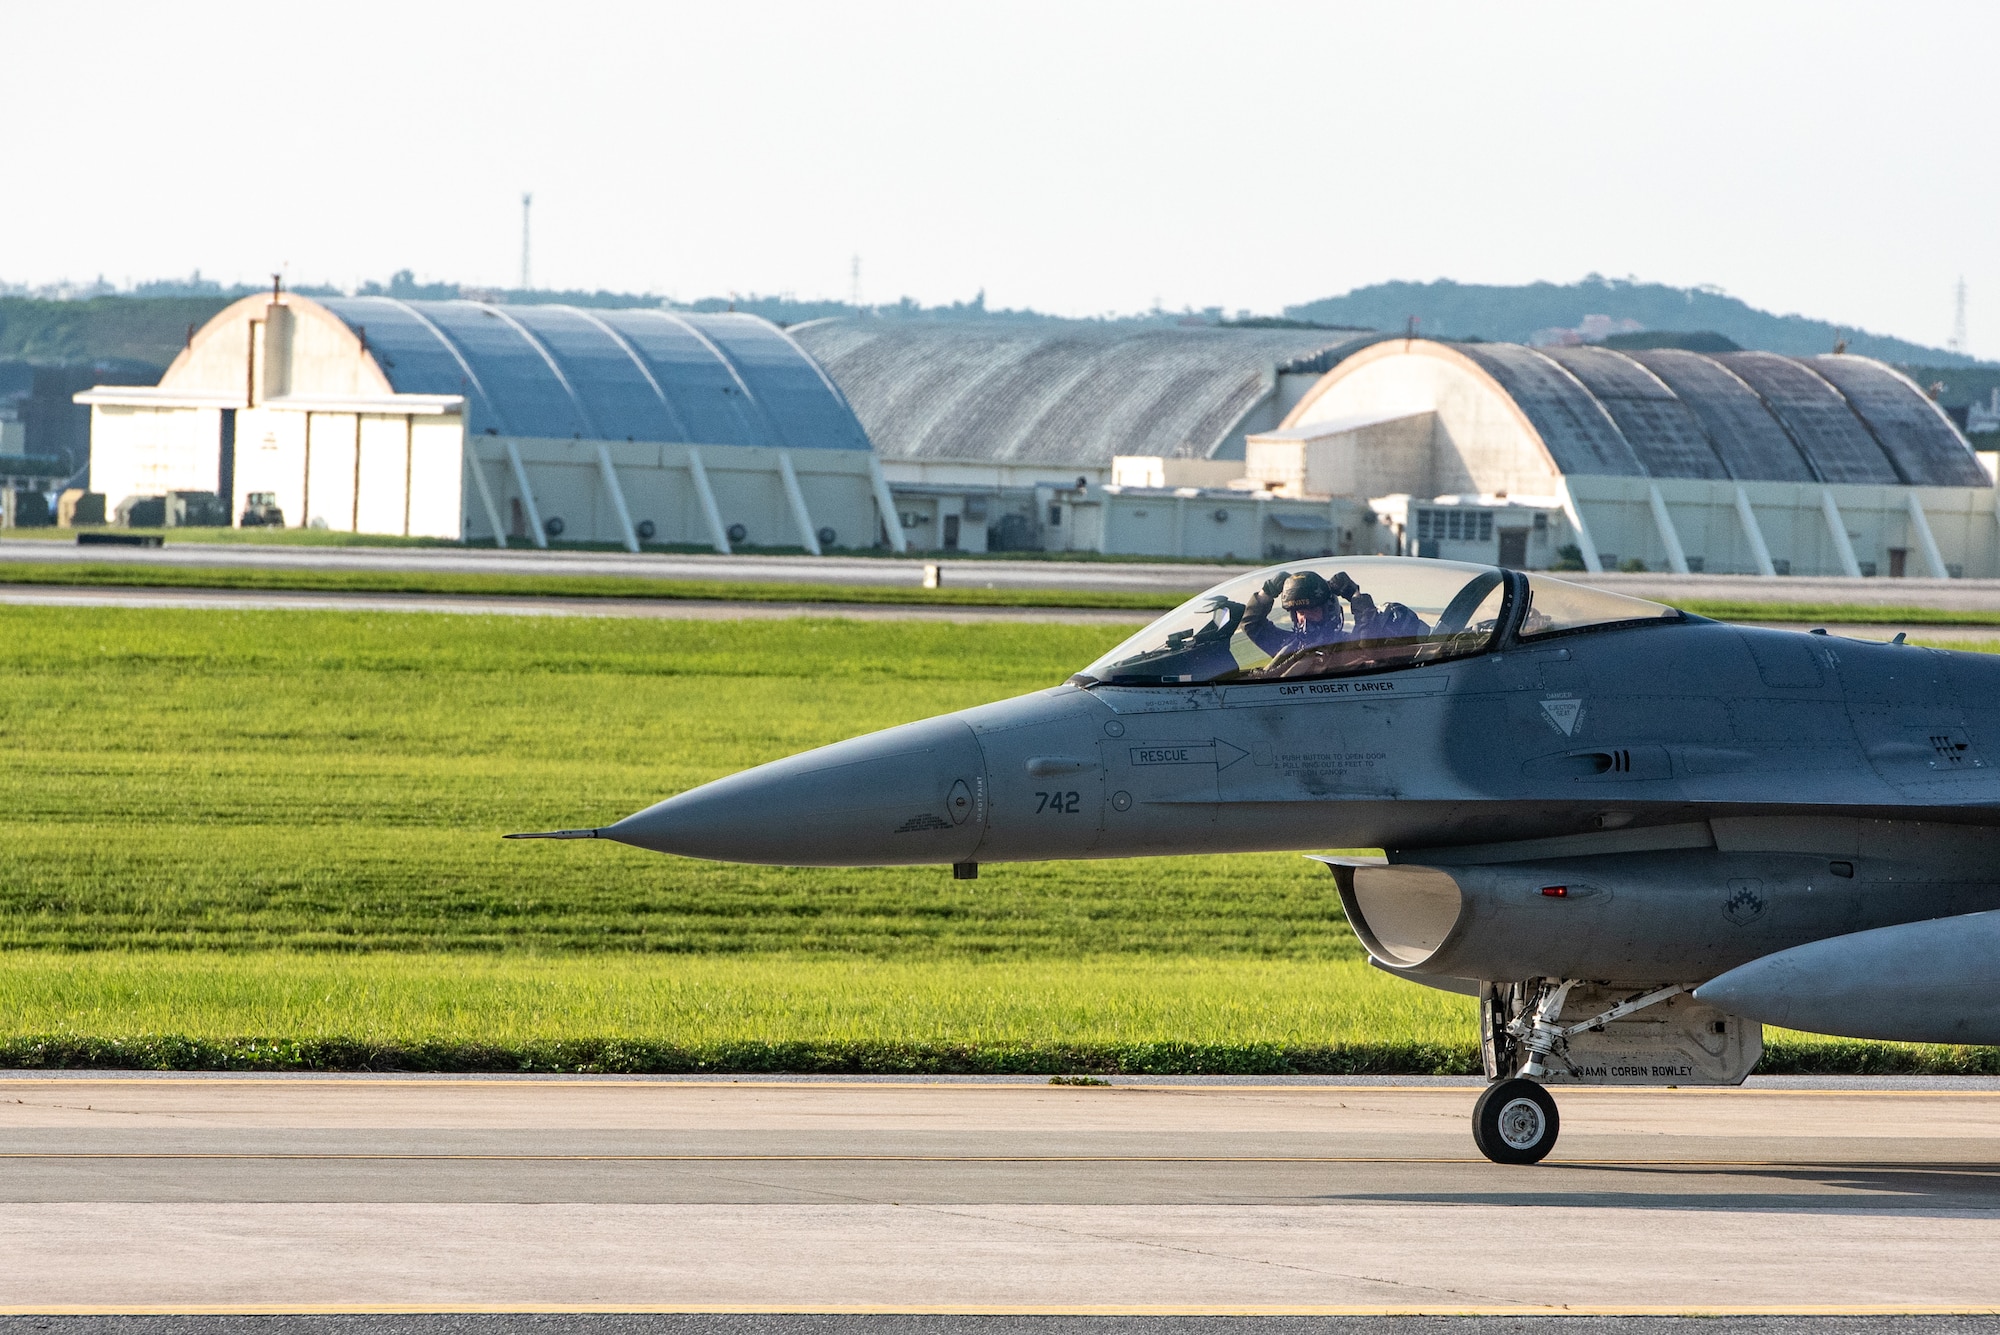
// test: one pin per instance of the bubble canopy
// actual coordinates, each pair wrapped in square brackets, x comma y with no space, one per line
[1335,616]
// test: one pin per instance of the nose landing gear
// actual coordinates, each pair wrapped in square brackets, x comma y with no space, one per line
[1515,1121]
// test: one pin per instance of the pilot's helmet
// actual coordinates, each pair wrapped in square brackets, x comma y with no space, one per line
[1305,589]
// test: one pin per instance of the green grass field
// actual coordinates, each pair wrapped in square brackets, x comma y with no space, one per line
[620,1011]
[271,839]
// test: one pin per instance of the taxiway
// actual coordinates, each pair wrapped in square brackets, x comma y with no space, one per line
[304,1194]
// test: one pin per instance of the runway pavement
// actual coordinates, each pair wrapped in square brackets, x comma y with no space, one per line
[1011,1198]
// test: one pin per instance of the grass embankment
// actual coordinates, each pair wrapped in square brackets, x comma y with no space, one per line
[266,840]
[624,1012]
[131,575]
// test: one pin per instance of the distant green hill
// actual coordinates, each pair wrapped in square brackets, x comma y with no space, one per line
[1445,309]
[152,330]
[1957,386]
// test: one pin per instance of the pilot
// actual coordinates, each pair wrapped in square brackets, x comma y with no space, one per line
[1313,603]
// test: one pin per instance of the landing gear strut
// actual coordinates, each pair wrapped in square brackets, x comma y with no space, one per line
[1515,1120]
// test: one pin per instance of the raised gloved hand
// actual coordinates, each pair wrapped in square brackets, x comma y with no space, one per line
[1275,585]
[1342,586]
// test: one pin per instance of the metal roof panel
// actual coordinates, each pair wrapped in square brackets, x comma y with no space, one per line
[1070,394]
[647,375]
[1833,438]
[1662,431]
[1923,442]
[1752,444]
[1579,433]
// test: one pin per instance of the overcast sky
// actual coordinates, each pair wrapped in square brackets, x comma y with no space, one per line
[1832,159]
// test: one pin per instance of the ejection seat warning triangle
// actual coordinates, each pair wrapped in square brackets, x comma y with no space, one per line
[1562,714]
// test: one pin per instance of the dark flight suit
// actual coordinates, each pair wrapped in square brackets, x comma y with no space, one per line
[1302,639]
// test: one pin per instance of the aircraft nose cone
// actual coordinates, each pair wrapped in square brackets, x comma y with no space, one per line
[914,794]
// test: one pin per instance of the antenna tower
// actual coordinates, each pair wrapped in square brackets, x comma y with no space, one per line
[527,272]
[1958,338]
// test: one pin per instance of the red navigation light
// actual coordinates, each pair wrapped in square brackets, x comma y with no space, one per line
[1556,891]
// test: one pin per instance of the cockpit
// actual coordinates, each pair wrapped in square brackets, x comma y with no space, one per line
[1335,616]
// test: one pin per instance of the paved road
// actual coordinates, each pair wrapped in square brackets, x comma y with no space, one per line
[429,1194]
[1963,595]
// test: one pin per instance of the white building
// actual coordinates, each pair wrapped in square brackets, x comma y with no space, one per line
[462,420]
[1984,417]
[1745,462]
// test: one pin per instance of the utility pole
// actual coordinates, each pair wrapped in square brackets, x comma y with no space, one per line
[1958,338]
[527,272]
[854,293]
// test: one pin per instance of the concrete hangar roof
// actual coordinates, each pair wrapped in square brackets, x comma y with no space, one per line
[1746,416]
[1060,393]
[556,372]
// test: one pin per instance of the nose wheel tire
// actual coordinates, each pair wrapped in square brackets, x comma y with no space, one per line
[1515,1121]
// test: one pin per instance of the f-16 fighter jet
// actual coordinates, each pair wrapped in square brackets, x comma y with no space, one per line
[1636,835]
